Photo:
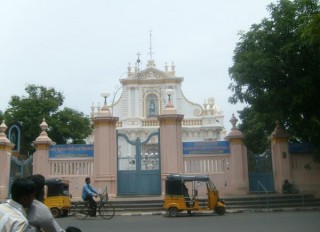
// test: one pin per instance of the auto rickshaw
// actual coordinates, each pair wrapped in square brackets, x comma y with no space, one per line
[178,197]
[58,199]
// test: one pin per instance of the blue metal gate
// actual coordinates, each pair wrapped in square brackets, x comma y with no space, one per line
[139,165]
[19,168]
[260,172]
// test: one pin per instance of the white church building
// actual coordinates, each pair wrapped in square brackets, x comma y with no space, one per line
[144,95]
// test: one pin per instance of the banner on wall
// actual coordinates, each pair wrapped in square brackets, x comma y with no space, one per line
[301,148]
[206,148]
[71,151]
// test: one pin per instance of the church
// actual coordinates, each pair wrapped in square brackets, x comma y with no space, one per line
[145,94]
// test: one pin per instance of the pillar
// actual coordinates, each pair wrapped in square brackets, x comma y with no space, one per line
[105,151]
[170,142]
[281,158]
[41,156]
[238,163]
[5,162]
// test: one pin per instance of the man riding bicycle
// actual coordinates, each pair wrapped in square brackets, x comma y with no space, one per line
[88,192]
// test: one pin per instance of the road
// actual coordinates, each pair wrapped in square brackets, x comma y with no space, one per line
[302,221]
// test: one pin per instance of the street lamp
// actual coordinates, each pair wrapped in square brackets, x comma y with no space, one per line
[169,92]
[105,95]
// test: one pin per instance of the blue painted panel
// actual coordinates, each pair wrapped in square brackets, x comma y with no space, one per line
[265,178]
[301,148]
[206,147]
[132,183]
[71,151]
[150,182]
[127,183]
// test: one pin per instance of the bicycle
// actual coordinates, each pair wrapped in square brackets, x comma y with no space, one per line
[105,209]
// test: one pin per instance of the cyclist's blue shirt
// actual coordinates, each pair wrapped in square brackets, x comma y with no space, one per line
[87,191]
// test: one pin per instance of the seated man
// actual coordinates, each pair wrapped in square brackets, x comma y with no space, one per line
[12,212]
[88,192]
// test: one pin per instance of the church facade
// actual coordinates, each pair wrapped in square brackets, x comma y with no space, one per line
[144,95]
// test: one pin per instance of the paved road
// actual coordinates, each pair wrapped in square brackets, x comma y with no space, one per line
[302,221]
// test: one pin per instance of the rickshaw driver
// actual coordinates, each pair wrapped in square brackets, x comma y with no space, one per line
[88,192]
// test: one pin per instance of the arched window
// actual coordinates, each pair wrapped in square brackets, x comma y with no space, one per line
[152,105]
[15,136]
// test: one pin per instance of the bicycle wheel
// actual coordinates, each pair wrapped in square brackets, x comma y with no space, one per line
[81,211]
[106,210]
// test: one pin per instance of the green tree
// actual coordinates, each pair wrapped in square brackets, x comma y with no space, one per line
[65,126]
[276,71]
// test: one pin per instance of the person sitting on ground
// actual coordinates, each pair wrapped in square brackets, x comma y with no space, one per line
[39,215]
[287,187]
[13,211]
[88,192]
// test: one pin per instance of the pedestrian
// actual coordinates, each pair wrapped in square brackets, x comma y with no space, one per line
[39,216]
[88,192]
[13,211]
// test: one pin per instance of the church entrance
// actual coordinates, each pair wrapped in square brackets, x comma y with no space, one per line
[138,163]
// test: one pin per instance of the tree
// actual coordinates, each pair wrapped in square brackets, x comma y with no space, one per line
[65,126]
[276,71]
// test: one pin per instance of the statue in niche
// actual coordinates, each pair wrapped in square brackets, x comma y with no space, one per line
[14,138]
[152,108]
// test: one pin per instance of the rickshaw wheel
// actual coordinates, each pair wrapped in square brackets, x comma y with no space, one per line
[173,212]
[220,210]
[55,212]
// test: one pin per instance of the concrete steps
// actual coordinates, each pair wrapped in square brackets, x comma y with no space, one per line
[233,203]
[272,201]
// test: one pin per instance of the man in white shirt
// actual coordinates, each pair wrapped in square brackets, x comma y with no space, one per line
[39,215]
[12,212]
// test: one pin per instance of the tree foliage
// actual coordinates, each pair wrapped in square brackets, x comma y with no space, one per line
[276,71]
[65,126]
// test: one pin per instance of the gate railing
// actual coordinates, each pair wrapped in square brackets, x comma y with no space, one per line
[265,191]
[296,189]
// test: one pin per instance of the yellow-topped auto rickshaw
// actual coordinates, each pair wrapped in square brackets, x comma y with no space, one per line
[57,198]
[183,194]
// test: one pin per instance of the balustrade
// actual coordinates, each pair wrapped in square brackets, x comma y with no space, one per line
[74,167]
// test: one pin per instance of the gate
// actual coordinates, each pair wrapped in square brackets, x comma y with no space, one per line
[260,172]
[19,168]
[138,165]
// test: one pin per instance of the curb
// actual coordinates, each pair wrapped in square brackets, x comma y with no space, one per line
[163,213]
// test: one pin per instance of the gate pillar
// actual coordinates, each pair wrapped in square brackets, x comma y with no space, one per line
[280,157]
[5,158]
[105,150]
[170,143]
[41,156]
[239,163]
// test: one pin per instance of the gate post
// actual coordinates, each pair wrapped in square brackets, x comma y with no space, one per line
[280,156]
[41,156]
[239,162]
[170,142]
[105,149]
[5,161]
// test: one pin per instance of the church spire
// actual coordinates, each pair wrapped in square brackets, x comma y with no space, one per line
[150,48]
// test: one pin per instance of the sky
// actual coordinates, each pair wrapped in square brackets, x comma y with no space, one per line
[81,48]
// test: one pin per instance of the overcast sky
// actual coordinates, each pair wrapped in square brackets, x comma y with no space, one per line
[82,48]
